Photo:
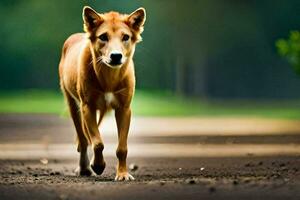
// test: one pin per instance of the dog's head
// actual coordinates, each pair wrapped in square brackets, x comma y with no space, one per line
[113,35]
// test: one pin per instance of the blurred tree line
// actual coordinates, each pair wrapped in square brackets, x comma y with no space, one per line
[205,48]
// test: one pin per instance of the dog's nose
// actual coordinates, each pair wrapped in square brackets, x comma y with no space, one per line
[116,58]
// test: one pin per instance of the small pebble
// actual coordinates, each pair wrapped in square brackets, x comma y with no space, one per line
[133,167]
[162,183]
[212,189]
[248,165]
[282,165]
[247,181]
[284,169]
[295,169]
[191,181]
[44,161]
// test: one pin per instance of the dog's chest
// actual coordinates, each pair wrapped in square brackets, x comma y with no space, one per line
[108,99]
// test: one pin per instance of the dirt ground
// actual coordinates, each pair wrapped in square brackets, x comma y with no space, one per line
[257,165]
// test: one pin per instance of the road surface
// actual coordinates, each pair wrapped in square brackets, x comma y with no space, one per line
[176,158]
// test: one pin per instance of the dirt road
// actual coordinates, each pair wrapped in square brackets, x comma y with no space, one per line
[176,158]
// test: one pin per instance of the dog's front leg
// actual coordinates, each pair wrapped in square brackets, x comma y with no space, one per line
[123,116]
[91,127]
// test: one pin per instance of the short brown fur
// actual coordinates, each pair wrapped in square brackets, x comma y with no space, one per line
[91,83]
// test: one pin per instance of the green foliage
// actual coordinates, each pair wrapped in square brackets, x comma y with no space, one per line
[290,49]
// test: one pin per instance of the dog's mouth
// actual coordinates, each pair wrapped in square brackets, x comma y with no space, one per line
[112,64]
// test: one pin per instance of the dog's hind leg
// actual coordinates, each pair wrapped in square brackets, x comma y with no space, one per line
[84,168]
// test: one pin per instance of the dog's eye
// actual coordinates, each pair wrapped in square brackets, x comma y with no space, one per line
[103,37]
[125,37]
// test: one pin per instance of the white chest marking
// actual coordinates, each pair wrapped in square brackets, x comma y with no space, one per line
[109,98]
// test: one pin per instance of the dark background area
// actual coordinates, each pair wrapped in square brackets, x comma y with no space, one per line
[207,48]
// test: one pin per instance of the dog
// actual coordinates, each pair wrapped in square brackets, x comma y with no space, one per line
[96,74]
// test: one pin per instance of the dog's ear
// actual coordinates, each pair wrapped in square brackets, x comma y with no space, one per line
[91,19]
[137,19]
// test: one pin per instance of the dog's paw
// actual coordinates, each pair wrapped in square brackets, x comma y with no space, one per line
[98,169]
[124,176]
[83,171]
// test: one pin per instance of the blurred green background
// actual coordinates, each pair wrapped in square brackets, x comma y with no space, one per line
[198,57]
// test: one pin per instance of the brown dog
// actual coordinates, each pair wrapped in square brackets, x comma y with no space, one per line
[97,74]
